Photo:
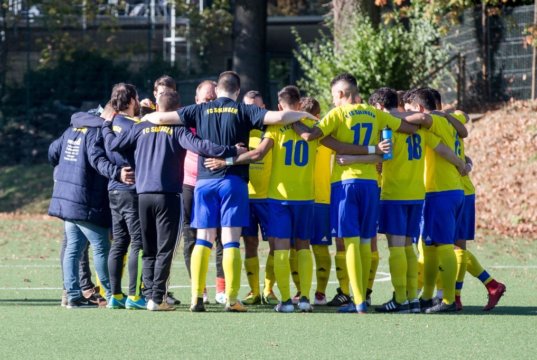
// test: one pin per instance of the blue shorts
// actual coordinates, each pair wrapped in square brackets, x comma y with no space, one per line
[259,219]
[354,208]
[466,228]
[400,218]
[322,234]
[290,221]
[220,203]
[441,215]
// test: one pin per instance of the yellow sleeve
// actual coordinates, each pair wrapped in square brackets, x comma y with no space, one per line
[271,132]
[329,123]
[386,119]
[431,140]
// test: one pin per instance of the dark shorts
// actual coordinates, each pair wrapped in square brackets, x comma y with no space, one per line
[402,219]
[290,221]
[259,219]
[441,216]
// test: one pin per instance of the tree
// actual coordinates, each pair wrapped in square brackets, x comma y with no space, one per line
[249,43]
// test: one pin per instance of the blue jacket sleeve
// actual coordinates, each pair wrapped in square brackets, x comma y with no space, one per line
[97,156]
[205,148]
[55,150]
[118,143]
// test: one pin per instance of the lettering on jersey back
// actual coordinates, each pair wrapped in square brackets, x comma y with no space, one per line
[158,129]
[222,110]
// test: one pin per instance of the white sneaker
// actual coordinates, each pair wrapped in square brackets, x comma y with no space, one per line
[221,298]
[205,297]
[285,307]
[164,306]
[304,305]
[320,299]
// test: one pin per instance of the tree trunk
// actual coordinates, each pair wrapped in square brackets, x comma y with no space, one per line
[249,44]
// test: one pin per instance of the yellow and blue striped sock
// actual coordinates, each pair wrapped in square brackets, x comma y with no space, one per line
[462,263]
[199,266]
[231,262]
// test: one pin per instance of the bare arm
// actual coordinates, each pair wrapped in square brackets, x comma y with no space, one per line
[461,129]
[164,118]
[354,159]
[248,157]
[415,118]
[307,133]
[285,117]
[450,156]
[342,148]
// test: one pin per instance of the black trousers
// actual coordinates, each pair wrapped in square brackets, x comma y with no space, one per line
[159,219]
[125,231]
[84,267]
[189,234]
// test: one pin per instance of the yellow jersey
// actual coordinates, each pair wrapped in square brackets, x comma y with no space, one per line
[293,165]
[467,184]
[440,174]
[259,172]
[402,178]
[323,165]
[357,124]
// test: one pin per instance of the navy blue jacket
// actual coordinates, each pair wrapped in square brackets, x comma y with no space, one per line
[159,154]
[81,172]
[121,126]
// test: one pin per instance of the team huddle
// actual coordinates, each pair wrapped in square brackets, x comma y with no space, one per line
[395,166]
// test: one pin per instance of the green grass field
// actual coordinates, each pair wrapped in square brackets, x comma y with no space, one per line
[34,326]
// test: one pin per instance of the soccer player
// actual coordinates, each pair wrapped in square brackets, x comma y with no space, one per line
[162,84]
[159,154]
[443,205]
[402,195]
[205,92]
[221,197]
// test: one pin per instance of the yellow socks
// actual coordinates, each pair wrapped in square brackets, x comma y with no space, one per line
[447,264]
[282,270]
[251,265]
[323,263]
[269,275]
[430,270]
[293,261]
[462,262]
[231,262]
[411,273]
[341,272]
[375,259]
[365,257]
[476,269]
[199,266]
[354,268]
[305,271]
[421,263]
[398,271]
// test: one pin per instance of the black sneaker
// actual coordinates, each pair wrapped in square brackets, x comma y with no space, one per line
[425,304]
[436,301]
[441,308]
[198,306]
[393,307]
[414,306]
[339,299]
[81,303]
[171,300]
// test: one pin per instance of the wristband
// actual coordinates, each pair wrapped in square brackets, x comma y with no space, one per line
[371,149]
[229,161]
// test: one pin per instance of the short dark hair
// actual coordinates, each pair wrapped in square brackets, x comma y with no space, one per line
[169,101]
[310,105]
[121,97]
[385,96]
[349,79]
[289,95]
[252,94]
[423,97]
[167,81]
[437,97]
[407,95]
[229,81]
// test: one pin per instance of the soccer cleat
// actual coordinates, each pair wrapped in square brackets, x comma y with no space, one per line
[339,299]
[495,296]
[436,300]
[304,305]
[285,307]
[64,299]
[368,296]
[133,304]
[441,308]
[352,308]
[172,300]
[220,298]
[81,303]
[205,297]
[295,299]
[236,307]
[414,306]
[198,306]
[163,306]
[320,299]
[116,303]
[393,306]
[251,299]
[270,299]
[458,303]
[425,304]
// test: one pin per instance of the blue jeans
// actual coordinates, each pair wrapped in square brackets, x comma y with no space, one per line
[78,234]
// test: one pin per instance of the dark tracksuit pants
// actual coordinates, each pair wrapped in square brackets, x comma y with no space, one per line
[84,267]
[125,231]
[160,215]
[189,234]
